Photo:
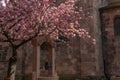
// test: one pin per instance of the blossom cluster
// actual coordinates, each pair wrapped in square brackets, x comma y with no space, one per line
[23,19]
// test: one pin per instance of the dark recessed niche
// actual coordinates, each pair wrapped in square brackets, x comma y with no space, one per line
[117,26]
[45,46]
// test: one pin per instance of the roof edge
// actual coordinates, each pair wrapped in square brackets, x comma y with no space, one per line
[110,7]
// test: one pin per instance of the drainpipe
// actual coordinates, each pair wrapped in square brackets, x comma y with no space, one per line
[103,53]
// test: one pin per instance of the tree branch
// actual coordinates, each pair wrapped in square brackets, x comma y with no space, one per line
[8,39]
[25,41]
[4,41]
[15,23]
[51,31]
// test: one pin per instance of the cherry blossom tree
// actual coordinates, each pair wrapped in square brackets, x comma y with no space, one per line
[23,20]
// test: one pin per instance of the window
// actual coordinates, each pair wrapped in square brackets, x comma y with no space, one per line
[2,56]
[117,26]
[3,53]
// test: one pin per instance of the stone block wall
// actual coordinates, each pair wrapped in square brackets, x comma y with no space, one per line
[3,70]
[82,58]
[76,59]
[4,56]
[113,1]
[111,41]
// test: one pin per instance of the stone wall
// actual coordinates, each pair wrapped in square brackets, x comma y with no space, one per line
[82,58]
[111,41]
[4,56]
[113,1]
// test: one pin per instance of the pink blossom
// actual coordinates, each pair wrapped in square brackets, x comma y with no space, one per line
[24,19]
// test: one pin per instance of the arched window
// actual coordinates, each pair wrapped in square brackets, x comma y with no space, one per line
[117,26]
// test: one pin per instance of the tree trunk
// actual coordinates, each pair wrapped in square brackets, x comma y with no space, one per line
[12,66]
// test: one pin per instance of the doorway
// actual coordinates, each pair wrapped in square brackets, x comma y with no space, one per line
[45,59]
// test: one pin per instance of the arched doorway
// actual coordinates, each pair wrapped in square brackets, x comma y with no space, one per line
[44,59]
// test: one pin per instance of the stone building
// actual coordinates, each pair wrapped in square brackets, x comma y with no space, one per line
[110,28]
[82,58]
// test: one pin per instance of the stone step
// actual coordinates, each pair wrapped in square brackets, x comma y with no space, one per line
[49,78]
